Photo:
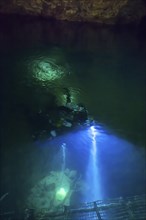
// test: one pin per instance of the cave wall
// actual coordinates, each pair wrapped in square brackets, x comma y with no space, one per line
[99,11]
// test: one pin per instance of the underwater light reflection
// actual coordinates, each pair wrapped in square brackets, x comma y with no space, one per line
[46,69]
[94,131]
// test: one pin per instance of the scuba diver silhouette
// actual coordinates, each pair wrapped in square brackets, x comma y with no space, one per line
[68,95]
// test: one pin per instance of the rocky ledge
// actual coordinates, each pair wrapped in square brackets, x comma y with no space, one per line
[98,11]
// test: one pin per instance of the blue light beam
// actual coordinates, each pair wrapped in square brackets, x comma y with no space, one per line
[93,174]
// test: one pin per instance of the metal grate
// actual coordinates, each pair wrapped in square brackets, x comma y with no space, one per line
[130,208]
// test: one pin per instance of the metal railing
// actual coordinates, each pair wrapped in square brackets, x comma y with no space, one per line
[130,208]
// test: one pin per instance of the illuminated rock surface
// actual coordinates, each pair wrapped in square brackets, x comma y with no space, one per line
[54,190]
[101,11]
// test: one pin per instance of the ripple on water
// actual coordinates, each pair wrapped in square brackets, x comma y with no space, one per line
[51,71]
[45,70]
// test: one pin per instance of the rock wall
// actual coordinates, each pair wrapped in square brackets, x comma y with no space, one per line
[99,11]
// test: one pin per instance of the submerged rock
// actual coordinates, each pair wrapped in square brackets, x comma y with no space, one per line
[64,119]
[101,11]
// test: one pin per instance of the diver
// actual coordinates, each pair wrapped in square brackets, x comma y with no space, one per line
[68,96]
[80,114]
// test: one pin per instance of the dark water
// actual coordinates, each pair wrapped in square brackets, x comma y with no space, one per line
[104,68]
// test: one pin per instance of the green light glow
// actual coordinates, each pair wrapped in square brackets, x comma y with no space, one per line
[46,70]
[61,194]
